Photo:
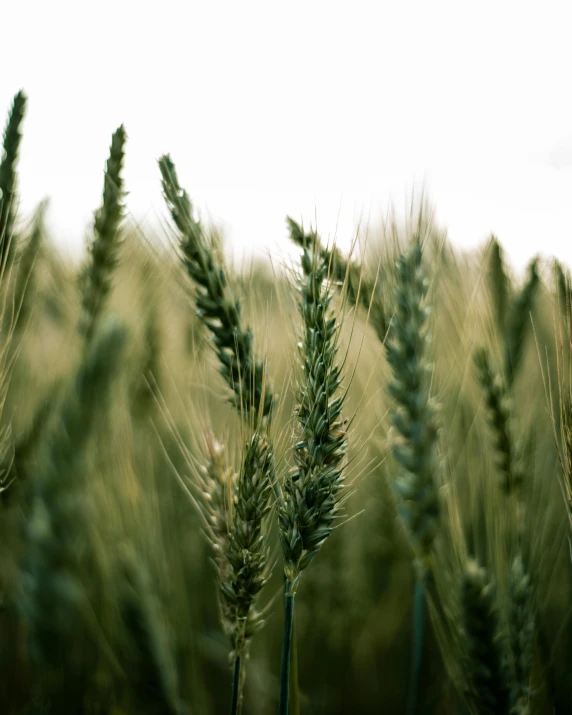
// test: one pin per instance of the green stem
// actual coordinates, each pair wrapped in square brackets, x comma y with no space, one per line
[294,694]
[236,701]
[236,685]
[289,594]
[418,628]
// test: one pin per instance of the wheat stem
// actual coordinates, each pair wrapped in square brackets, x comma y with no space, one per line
[105,246]
[11,147]
[418,633]
[289,596]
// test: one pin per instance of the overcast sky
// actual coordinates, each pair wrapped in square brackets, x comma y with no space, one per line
[307,108]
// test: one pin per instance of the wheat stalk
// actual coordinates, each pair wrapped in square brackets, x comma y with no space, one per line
[415,433]
[215,307]
[413,416]
[500,421]
[499,284]
[518,320]
[11,147]
[312,491]
[104,248]
[253,398]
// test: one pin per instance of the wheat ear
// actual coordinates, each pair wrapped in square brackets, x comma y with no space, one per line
[500,421]
[216,309]
[246,377]
[248,554]
[11,147]
[218,486]
[518,321]
[499,284]
[104,249]
[413,415]
[312,492]
[485,653]
[415,432]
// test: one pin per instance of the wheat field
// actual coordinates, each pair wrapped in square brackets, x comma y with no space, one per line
[340,484]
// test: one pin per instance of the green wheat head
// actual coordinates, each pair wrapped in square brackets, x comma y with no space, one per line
[413,416]
[219,313]
[104,249]
[519,322]
[313,490]
[247,549]
[499,284]
[11,147]
[500,421]
[522,632]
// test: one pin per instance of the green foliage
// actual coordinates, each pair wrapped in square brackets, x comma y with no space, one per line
[499,284]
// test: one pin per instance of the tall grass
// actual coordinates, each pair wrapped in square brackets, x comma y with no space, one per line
[394,430]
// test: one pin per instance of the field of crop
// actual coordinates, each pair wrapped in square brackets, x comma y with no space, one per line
[338,486]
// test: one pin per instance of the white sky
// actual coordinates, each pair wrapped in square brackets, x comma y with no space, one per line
[307,108]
